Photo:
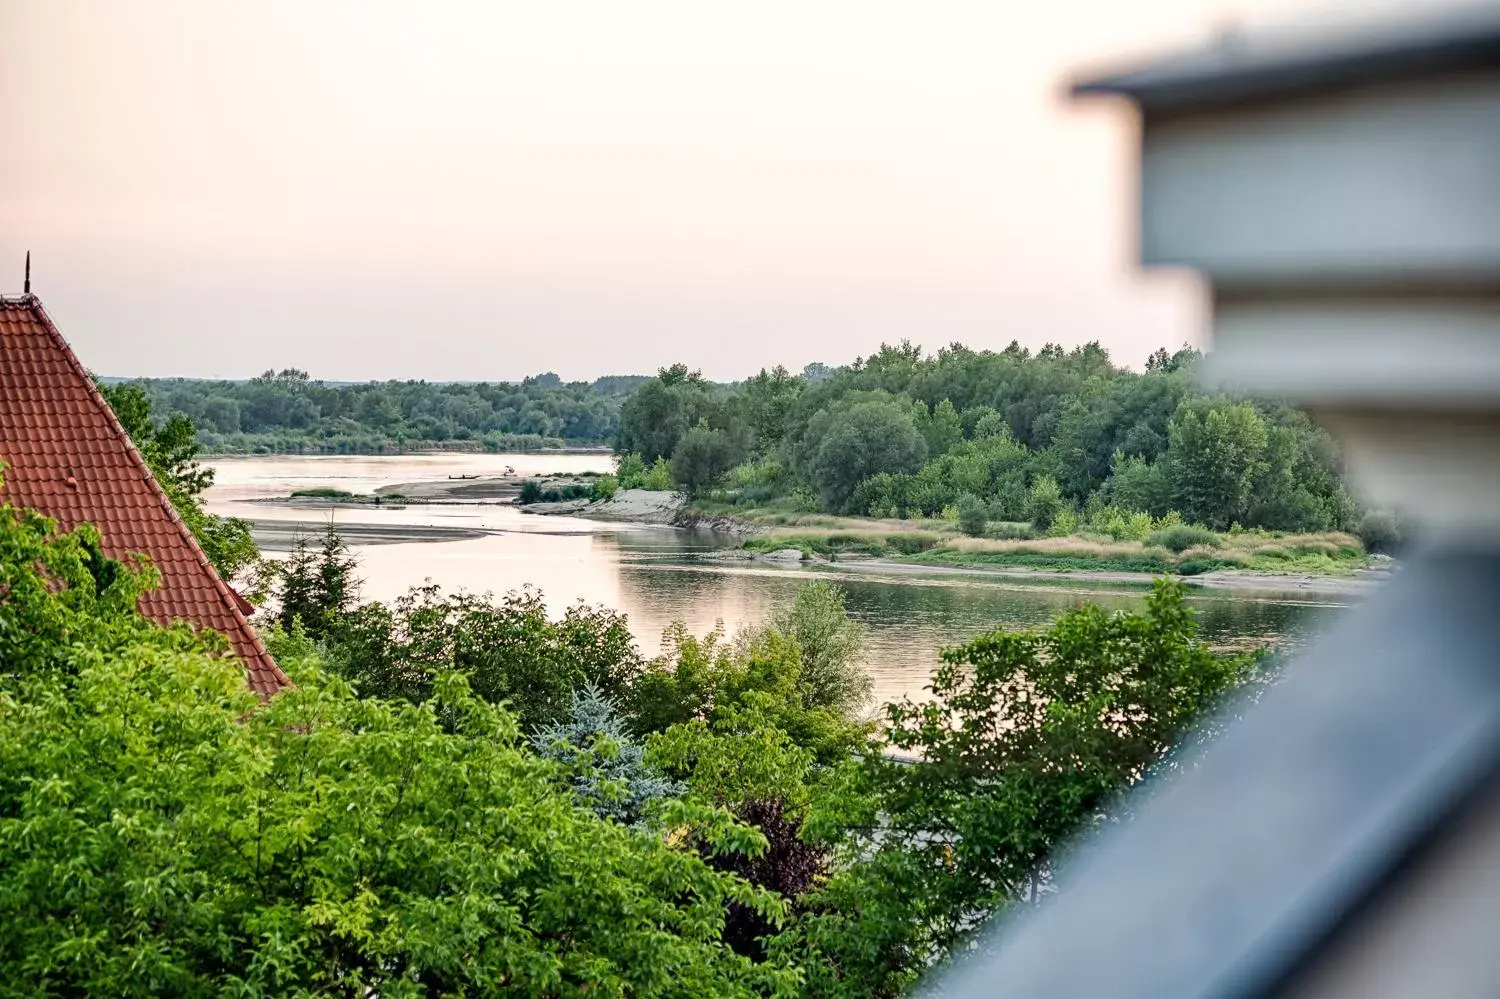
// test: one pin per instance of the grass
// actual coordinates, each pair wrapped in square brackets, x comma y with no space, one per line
[1311,554]
[1182,550]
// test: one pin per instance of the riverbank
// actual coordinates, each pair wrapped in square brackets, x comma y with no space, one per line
[1327,563]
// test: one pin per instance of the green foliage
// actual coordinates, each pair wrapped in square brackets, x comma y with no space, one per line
[315,587]
[289,412]
[1044,503]
[702,458]
[846,445]
[1136,484]
[830,645]
[318,844]
[322,492]
[733,760]
[171,450]
[760,678]
[539,491]
[1180,537]
[973,515]
[631,471]
[1217,449]
[657,415]
[508,650]
[659,477]
[603,489]
[605,764]
[1028,738]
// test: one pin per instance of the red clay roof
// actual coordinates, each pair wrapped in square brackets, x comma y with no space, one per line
[67,456]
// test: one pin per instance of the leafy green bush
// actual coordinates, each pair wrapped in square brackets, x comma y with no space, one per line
[1198,566]
[973,825]
[320,843]
[631,471]
[1181,537]
[973,515]
[507,648]
[659,477]
[1044,503]
[531,492]
[603,489]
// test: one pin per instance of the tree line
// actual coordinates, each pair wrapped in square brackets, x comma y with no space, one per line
[1055,438]
[289,411]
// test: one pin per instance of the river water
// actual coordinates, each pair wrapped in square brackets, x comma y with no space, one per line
[650,573]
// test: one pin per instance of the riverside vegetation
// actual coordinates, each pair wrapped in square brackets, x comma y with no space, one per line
[1053,460]
[288,412]
[1058,459]
[462,796]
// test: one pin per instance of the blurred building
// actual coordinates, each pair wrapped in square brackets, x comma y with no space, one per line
[1340,191]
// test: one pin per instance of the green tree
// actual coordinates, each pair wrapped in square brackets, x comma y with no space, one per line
[1044,502]
[606,764]
[317,587]
[508,650]
[843,447]
[1216,451]
[701,459]
[973,515]
[830,644]
[171,449]
[320,844]
[656,415]
[1028,737]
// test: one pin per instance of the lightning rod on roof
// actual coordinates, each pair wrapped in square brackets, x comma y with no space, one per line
[26,289]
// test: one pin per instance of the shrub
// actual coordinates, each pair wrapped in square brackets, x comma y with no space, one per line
[1198,566]
[1380,531]
[604,488]
[1044,503]
[531,492]
[973,515]
[659,477]
[1181,537]
[631,471]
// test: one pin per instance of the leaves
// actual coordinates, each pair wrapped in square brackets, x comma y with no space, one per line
[163,833]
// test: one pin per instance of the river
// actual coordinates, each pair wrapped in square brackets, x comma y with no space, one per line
[650,573]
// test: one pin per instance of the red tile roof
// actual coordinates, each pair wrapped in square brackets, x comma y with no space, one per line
[67,456]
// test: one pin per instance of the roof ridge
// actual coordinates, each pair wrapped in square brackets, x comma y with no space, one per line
[246,629]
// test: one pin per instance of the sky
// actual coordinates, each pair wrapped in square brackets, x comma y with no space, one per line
[457,190]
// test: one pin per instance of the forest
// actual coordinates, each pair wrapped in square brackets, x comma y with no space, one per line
[288,411]
[1006,445]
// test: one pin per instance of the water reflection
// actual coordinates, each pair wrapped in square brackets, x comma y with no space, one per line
[649,572]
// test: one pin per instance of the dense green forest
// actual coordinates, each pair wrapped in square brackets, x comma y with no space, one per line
[289,412]
[1056,442]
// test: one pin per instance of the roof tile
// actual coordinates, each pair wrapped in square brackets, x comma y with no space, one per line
[54,424]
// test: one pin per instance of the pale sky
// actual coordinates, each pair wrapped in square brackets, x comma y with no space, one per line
[488,189]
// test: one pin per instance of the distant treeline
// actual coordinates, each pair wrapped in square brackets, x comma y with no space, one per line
[1064,439]
[290,412]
